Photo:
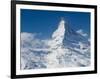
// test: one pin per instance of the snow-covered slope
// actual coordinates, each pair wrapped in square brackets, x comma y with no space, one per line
[66,48]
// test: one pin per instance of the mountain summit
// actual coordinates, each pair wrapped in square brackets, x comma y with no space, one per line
[70,47]
[65,36]
[58,36]
[66,48]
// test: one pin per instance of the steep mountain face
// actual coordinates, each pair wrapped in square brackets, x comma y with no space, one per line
[69,48]
[58,36]
[73,39]
[66,48]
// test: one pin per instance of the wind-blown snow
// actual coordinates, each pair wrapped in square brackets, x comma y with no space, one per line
[66,48]
[80,31]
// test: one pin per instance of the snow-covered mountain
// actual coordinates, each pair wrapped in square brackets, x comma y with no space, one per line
[66,48]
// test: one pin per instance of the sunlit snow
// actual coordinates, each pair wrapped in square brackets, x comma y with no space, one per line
[53,53]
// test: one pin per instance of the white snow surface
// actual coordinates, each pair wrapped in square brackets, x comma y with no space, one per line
[36,53]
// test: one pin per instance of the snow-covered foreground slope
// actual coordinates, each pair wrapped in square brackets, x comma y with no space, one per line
[66,48]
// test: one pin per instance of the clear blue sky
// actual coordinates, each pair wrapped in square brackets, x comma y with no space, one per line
[45,22]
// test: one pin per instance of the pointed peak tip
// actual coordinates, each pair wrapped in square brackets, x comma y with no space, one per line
[62,19]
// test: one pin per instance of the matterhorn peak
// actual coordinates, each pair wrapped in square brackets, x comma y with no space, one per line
[60,30]
[62,20]
[66,48]
[58,35]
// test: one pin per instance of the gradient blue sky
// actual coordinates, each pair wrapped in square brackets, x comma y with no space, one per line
[46,22]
